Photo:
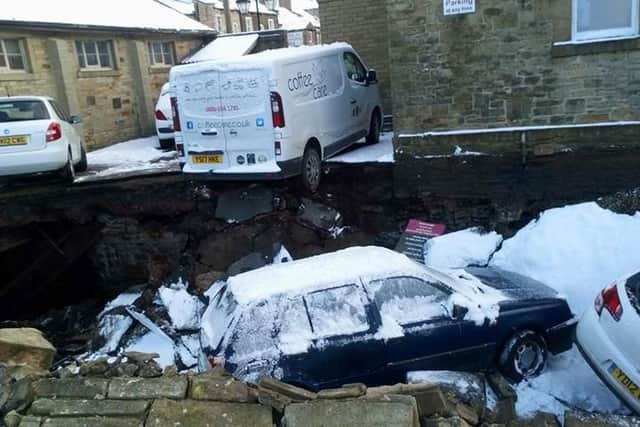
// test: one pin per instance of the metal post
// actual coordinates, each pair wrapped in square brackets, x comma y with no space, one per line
[258,13]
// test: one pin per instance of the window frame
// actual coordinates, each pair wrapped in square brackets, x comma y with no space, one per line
[99,66]
[271,23]
[220,24]
[248,24]
[611,33]
[5,55]
[235,27]
[358,61]
[166,47]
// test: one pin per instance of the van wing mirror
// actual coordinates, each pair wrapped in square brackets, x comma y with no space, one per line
[372,76]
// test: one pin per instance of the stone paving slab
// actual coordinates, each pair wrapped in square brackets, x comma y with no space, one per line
[148,388]
[92,422]
[189,413]
[82,408]
[221,389]
[86,388]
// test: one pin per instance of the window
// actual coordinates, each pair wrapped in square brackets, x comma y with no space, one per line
[408,300]
[60,111]
[595,19]
[295,331]
[95,54]
[355,69]
[234,27]
[18,111]
[338,311]
[220,25]
[255,330]
[271,23]
[161,53]
[248,23]
[12,56]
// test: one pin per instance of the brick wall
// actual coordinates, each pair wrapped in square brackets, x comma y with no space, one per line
[498,67]
[106,100]
[363,23]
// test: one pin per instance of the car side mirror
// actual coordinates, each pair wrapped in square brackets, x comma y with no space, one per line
[372,77]
[74,120]
[459,312]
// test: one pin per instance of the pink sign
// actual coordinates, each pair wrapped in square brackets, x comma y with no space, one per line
[425,228]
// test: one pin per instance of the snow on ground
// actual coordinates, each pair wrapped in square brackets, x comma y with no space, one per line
[381,152]
[577,250]
[135,157]
[461,249]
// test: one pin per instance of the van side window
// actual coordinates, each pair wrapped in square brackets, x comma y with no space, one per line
[407,300]
[355,69]
[337,311]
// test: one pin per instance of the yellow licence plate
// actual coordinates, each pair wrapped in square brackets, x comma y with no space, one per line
[14,140]
[207,159]
[623,379]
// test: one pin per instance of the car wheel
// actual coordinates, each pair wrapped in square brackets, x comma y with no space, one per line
[68,172]
[374,129]
[82,165]
[311,169]
[524,356]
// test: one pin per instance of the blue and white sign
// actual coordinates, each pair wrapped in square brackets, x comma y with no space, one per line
[459,7]
[260,122]
[6,131]
[189,125]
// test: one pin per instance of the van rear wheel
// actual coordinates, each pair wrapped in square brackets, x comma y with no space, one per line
[311,169]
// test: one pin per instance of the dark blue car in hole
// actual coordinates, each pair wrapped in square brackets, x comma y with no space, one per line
[371,315]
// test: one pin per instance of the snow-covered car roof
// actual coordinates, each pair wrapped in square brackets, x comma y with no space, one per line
[322,271]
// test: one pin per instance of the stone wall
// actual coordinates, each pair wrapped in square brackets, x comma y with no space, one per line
[498,67]
[115,105]
[363,23]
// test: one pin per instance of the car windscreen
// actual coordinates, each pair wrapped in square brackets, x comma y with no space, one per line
[19,111]
[633,290]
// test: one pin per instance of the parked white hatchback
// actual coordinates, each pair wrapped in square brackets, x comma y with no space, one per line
[608,338]
[36,136]
[164,118]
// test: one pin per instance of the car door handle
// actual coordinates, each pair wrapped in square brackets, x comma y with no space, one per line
[353,101]
[210,133]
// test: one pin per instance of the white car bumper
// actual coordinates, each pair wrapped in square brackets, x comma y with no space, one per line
[52,158]
[164,129]
[604,357]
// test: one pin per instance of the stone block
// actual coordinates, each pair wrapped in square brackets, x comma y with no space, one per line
[148,388]
[390,411]
[351,391]
[170,413]
[541,419]
[273,399]
[220,388]
[26,346]
[87,388]
[30,421]
[88,408]
[577,419]
[429,397]
[443,422]
[293,392]
[93,422]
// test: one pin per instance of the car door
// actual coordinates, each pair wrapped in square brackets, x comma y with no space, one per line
[69,131]
[358,96]
[426,336]
[343,348]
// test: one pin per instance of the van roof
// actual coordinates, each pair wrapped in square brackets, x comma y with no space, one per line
[320,272]
[269,56]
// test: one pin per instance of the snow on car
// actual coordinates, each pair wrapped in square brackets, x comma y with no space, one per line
[37,135]
[607,336]
[371,315]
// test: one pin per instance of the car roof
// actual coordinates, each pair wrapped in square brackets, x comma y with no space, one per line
[25,98]
[321,272]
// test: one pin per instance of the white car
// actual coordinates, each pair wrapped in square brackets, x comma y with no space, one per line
[36,136]
[607,335]
[164,118]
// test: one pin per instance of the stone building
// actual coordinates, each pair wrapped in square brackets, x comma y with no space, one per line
[212,13]
[100,62]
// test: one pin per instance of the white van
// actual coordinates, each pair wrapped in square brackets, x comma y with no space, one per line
[275,114]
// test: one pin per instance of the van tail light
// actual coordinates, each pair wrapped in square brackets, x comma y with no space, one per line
[277,110]
[176,115]
[54,132]
[160,115]
[610,299]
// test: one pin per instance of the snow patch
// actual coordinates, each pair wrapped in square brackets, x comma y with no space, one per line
[184,309]
[382,152]
[461,249]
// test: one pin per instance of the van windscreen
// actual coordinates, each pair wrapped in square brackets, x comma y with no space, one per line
[19,111]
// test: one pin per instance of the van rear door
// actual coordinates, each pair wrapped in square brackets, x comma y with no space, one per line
[248,122]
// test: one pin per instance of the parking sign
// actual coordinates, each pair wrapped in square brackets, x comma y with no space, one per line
[458,7]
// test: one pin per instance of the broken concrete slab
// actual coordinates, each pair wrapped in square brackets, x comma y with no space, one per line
[273,399]
[293,392]
[83,388]
[429,398]
[19,397]
[319,216]
[464,387]
[93,422]
[220,388]
[344,392]
[391,411]
[148,388]
[88,408]
[541,419]
[30,421]
[444,422]
[245,203]
[580,419]
[169,413]
[26,347]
